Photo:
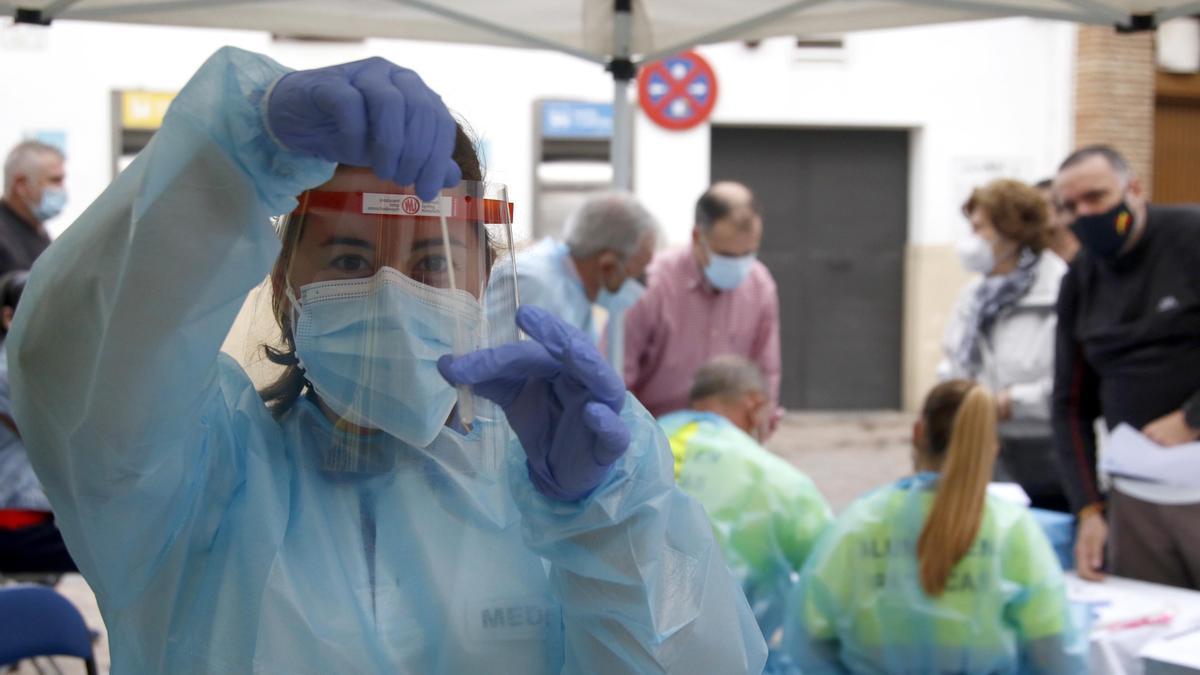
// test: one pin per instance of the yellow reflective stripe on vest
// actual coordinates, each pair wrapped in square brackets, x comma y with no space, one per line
[679,442]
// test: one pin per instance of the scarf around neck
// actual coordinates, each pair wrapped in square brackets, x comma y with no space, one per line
[991,298]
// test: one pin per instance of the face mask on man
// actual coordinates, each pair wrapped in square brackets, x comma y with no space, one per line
[1104,235]
[616,304]
[727,272]
[52,203]
[626,296]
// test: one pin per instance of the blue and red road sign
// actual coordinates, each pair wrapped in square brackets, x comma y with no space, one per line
[678,92]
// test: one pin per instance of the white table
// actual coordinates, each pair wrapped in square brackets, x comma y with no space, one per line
[1140,628]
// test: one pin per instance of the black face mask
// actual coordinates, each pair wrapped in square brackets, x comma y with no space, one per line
[1105,234]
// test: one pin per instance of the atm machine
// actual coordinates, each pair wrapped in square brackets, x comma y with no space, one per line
[136,115]
[571,159]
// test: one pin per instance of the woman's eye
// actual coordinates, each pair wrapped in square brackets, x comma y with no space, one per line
[431,270]
[350,263]
[432,263]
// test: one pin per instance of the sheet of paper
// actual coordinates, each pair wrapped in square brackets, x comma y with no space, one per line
[1009,492]
[1177,648]
[1129,453]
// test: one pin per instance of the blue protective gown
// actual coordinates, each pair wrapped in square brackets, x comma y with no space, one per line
[859,606]
[19,486]
[214,541]
[546,278]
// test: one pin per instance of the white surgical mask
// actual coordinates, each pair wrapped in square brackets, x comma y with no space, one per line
[976,254]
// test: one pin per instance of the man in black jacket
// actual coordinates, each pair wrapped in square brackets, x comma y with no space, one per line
[1128,350]
[33,193]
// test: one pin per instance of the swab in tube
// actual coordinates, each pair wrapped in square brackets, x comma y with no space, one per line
[466,400]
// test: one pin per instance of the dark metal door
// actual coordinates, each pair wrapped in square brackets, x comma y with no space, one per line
[835,211]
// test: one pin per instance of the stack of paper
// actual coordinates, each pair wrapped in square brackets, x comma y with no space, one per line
[1129,453]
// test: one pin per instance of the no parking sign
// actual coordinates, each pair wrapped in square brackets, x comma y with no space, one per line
[678,92]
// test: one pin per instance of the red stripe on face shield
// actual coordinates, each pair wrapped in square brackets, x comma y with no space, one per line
[399,205]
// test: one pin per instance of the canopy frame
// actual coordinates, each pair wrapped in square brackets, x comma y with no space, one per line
[622,62]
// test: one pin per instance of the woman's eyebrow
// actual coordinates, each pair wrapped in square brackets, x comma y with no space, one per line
[435,241]
[347,241]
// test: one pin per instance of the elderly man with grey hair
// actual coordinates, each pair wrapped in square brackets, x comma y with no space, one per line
[33,194]
[609,240]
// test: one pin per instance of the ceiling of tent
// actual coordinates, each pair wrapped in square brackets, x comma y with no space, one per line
[584,28]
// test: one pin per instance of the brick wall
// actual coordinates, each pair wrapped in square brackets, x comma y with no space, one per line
[1114,94]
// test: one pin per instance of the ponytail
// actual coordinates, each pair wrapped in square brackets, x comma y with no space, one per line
[957,512]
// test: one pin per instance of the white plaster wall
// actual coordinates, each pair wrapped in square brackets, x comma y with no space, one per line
[994,90]
[980,96]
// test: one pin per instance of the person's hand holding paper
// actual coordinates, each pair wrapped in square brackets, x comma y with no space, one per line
[1171,430]
[1133,454]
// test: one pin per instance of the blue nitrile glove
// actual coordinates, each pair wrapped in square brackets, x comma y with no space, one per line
[369,113]
[560,396]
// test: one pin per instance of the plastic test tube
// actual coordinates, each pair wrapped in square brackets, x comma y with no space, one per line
[466,400]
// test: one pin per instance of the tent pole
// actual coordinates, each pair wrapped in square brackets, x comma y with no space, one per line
[623,71]
[621,150]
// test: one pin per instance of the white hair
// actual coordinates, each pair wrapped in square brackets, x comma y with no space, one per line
[23,160]
[727,376]
[612,221]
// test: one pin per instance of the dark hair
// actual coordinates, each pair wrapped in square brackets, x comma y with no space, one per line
[12,285]
[1016,210]
[711,208]
[1044,184]
[282,394]
[1110,155]
[938,411]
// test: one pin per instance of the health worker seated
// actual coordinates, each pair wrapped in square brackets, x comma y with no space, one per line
[767,515]
[29,540]
[607,242]
[419,491]
[933,575]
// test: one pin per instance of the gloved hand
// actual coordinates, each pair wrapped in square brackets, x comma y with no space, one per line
[369,113]
[560,397]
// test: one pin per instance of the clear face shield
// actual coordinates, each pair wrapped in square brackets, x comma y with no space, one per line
[381,285]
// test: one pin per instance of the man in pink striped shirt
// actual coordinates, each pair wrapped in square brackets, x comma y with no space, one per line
[711,298]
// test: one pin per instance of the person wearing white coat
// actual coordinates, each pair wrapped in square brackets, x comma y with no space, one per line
[1001,332]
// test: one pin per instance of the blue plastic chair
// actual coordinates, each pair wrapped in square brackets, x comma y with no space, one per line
[37,621]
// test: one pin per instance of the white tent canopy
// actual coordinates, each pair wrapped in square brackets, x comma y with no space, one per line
[617,33]
[586,28]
